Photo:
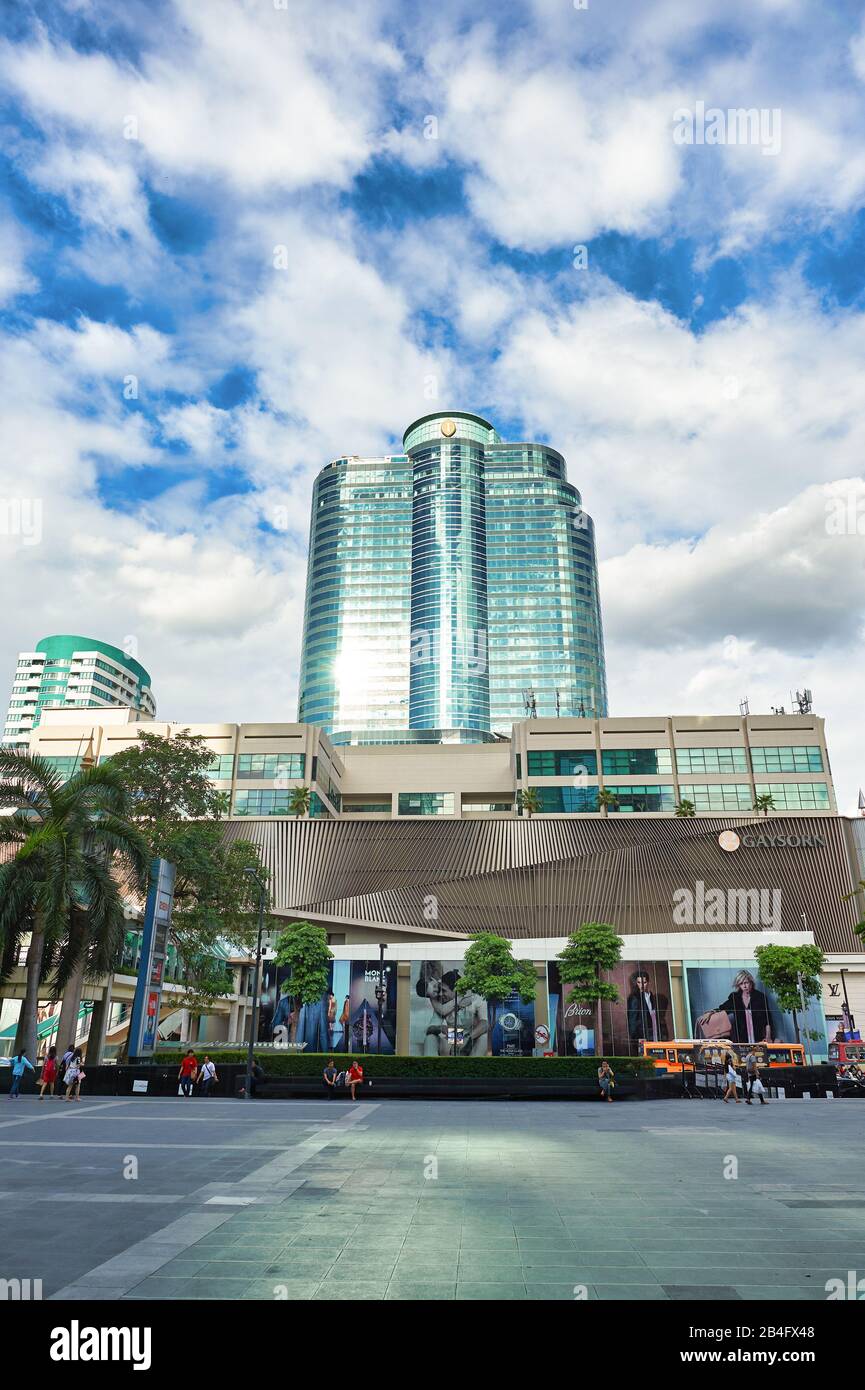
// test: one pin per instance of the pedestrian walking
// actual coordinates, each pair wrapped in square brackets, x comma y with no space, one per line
[606,1080]
[20,1065]
[66,1058]
[732,1077]
[207,1076]
[73,1076]
[750,1074]
[49,1073]
[755,1082]
[187,1073]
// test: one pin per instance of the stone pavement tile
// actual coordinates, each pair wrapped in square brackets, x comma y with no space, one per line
[584,1273]
[435,1265]
[808,1293]
[706,1293]
[160,1288]
[231,1269]
[299,1269]
[196,1288]
[280,1290]
[557,1293]
[340,1291]
[494,1292]
[183,1266]
[408,1291]
[718,1274]
[633,1293]
[509,1272]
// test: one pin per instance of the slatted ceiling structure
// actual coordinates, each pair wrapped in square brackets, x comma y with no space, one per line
[541,877]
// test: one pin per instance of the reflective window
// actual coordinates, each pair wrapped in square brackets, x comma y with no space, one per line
[727,796]
[270,765]
[644,762]
[548,762]
[712,759]
[787,759]
[796,796]
[426,803]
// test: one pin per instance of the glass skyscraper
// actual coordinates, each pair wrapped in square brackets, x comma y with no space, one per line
[446,586]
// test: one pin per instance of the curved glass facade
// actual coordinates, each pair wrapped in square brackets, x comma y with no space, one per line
[542,586]
[449,676]
[443,583]
[354,664]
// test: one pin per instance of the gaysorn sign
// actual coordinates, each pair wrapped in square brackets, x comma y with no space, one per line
[731,840]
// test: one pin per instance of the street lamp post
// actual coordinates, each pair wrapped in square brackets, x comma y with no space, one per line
[253,1025]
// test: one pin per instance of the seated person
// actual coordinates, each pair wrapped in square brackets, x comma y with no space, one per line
[332,1078]
[354,1077]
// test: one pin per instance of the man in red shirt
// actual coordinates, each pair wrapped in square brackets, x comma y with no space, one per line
[354,1077]
[186,1075]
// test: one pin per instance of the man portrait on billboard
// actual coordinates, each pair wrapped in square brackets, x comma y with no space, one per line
[647,1011]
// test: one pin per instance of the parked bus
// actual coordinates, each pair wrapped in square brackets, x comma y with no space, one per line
[691,1052]
[842,1054]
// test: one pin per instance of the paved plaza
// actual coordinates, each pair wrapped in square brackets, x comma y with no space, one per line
[166,1199]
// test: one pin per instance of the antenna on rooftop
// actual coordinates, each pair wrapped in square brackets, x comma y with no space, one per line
[803,703]
[530,703]
[744,707]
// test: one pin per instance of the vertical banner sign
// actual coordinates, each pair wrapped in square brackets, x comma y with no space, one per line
[154,945]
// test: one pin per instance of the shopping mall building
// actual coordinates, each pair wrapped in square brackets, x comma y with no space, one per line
[418,847]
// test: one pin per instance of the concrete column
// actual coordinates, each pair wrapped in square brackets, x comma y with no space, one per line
[403,1006]
[185,1028]
[99,1024]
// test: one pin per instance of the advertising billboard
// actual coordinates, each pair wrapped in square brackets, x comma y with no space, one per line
[344,1019]
[729,1001]
[642,1012]
[445,1021]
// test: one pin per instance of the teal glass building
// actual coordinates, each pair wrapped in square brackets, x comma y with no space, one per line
[445,586]
[66,672]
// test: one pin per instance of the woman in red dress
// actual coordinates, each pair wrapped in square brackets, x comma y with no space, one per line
[49,1073]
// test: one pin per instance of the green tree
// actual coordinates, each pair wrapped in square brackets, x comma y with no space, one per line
[76,855]
[489,969]
[530,800]
[181,813]
[685,808]
[303,948]
[298,802]
[791,973]
[764,803]
[591,949]
[607,800]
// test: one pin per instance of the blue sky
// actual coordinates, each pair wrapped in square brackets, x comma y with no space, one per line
[239,239]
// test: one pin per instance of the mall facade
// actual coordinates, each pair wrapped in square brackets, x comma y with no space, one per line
[416,848]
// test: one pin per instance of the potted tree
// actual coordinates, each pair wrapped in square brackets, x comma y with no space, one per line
[489,969]
[591,949]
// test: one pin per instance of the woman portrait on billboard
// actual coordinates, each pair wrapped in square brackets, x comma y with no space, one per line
[748,1009]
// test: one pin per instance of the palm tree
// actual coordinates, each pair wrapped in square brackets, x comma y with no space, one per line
[607,800]
[764,803]
[64,888]
[685,808]
[298,802]
[530,801]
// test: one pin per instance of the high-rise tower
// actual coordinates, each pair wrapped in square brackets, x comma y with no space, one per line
[443,584]
[73,673]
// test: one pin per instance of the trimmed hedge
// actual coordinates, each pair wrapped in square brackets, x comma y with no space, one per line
[298,1064]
